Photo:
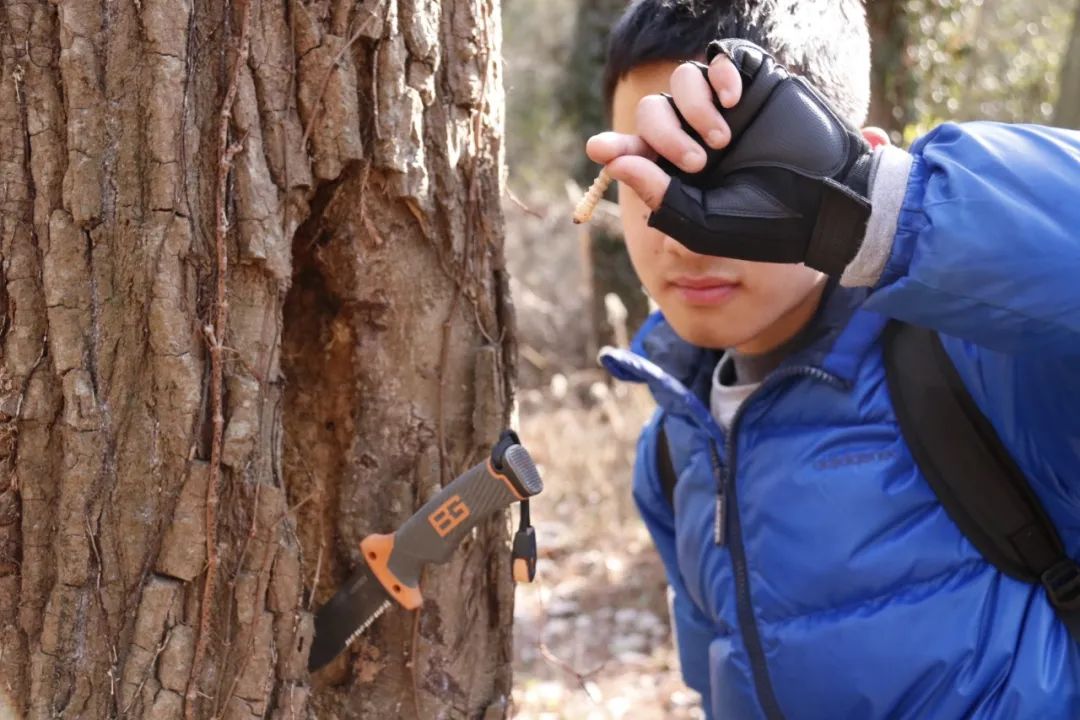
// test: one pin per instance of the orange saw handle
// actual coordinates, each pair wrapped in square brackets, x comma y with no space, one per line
[432,534]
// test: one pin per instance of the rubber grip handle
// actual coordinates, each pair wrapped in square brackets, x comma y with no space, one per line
[432,534]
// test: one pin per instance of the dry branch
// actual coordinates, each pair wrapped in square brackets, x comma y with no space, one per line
[215,334]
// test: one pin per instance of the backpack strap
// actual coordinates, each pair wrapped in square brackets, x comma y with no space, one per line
[665,467]
[973,475]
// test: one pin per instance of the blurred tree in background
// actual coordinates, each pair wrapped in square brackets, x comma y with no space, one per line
[892,83]
[555,54]
[581,93]
[542,147]
[1067,113]
[985,60]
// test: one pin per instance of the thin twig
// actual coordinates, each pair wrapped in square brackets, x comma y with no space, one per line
[13,453]
[326,83]
[216,335]
[112,677]
[318,566]
[251,530]
[444,359]
[303,501]
[483,330]
[581,677]
[153,661]
[222,706]
[517,201]
[295,508]
[94,547]
[247,655]
[413,657]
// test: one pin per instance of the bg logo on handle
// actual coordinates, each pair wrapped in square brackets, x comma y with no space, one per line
[449,515]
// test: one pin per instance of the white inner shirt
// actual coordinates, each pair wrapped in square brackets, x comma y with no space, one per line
[724,400]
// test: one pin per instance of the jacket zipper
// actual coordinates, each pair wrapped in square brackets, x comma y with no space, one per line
[728,529]
[719,526]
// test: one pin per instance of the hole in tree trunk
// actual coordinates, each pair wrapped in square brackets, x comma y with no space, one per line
[320,397]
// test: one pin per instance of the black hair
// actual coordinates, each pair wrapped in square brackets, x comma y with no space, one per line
[826,41]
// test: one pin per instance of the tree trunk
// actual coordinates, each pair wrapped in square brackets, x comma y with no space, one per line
[188,464]
[892,85]
[1067,111]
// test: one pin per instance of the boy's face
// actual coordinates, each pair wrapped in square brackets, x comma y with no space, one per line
[710,301]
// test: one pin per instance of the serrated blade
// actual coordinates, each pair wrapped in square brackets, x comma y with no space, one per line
[346,615]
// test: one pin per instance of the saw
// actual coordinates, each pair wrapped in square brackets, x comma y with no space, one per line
[390,572]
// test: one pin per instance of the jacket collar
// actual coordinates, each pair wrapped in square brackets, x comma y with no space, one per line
[678,372]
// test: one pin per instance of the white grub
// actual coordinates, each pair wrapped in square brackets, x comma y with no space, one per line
[583,212]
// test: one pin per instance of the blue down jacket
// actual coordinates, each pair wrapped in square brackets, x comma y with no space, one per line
[842,589]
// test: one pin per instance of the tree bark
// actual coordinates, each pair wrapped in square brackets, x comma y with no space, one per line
[165,536]
[1067,110]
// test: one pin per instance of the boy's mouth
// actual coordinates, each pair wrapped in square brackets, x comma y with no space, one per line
[704,289]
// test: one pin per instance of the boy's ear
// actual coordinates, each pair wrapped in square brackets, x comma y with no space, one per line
[875,136]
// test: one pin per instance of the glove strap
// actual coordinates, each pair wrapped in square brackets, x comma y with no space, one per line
[841,221]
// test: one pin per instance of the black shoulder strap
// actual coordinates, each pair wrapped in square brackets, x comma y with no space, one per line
[665,467]
[972,473]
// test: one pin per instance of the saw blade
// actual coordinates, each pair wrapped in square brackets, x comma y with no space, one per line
[352,609]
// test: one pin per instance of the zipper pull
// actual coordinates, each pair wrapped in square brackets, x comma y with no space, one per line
[720,526]
[720,523]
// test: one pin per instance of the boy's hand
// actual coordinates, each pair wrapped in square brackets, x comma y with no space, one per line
[762,170]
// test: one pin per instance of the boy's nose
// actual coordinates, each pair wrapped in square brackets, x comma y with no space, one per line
[674,247]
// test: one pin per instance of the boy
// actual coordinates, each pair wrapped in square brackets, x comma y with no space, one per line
[815,573]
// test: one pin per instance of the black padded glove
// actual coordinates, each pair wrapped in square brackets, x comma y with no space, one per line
[792,186]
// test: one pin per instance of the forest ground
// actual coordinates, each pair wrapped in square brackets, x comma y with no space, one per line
[592,638]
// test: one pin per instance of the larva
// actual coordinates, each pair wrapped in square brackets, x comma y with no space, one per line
[584,210]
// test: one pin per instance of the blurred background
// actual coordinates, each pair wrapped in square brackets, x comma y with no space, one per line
[592,635]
